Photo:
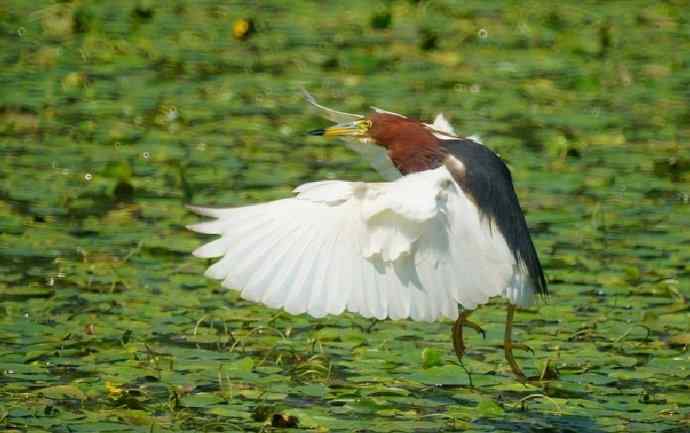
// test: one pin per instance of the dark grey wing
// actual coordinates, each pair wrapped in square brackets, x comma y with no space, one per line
[487,180]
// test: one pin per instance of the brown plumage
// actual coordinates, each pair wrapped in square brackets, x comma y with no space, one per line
[411,147]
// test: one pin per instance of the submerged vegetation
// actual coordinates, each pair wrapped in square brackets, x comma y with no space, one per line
[113,115]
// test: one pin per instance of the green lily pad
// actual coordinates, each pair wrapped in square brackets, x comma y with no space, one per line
[444,375]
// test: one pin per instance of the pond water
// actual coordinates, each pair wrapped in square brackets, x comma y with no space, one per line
[114,115]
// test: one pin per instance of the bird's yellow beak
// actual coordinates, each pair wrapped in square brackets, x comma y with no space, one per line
[358,128]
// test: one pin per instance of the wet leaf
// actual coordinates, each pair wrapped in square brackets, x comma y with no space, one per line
[444,375]
[679,340]
[63,392]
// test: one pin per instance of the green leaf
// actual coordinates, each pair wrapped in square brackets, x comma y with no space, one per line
[444,375]
[200,400]
[63,392]
[489,408]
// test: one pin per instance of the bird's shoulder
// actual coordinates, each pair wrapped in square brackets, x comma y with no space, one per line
[478,159]
[481,173]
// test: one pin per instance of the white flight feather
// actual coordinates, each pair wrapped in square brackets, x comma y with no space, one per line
[412,248]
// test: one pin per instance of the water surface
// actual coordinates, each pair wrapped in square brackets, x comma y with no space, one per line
[113,115]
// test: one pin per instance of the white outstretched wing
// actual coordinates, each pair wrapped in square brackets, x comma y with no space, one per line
[413,248]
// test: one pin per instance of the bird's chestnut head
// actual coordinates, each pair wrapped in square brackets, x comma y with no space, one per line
[410,144]
[388,130]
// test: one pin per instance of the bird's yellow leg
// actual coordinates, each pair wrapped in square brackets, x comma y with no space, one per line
[461,322]
[508,345]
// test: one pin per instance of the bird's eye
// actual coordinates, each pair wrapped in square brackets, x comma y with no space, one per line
[364,126]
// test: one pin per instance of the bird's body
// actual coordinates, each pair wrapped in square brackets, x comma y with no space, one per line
[448,231]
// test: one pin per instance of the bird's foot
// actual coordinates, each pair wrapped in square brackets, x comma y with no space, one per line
[475,326]
[518,346]
[458,341]
[508,345]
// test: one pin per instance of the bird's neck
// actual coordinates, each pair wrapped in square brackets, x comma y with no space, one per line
[410,145]
[418,157]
